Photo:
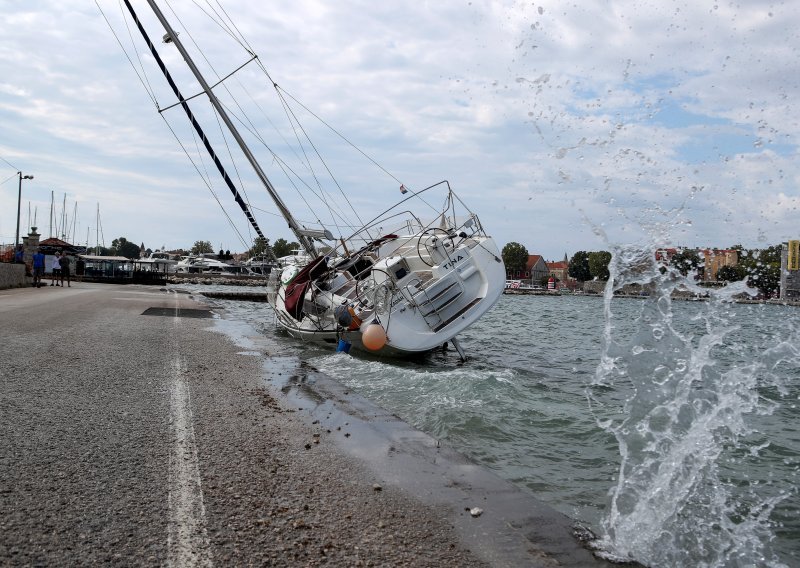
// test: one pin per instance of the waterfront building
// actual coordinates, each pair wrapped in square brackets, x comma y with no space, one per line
[560,271]
[664,255]
[790,270]
[714,259]
[535,270]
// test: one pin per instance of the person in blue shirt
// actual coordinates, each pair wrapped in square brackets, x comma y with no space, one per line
[38,268]
[19,255]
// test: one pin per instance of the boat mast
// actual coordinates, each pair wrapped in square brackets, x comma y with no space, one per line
[306,242]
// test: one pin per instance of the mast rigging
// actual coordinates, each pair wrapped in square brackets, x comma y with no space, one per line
[172,37]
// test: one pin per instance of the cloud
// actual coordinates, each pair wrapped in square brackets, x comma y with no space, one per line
[551,119]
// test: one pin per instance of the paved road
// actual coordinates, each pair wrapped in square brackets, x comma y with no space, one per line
[132,434]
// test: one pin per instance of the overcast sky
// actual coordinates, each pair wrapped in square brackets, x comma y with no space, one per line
[565,125]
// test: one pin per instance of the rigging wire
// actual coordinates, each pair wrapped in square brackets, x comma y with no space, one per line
[230,28]
[10,164]
[210,184]
[321,195]
[251,128]
[292,119]
[125,51]
[206,177]
[213,69]
[202,53]
[9,177]
[237,196]
[218,20]
[343,137]
[230,156]
[148,88]
[242,39]
[339,134]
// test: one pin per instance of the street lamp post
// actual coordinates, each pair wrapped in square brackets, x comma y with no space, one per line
[19,205]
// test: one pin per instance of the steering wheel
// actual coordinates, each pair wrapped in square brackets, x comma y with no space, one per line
[423,241]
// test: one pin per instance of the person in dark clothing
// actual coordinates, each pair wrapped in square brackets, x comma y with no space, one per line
[65,269]
[80,268]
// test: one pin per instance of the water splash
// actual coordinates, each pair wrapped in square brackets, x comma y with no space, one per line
[680,403]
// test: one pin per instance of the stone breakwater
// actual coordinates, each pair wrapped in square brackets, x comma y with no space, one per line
[217,280]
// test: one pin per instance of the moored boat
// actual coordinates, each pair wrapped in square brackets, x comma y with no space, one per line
[157,261]
[204,263]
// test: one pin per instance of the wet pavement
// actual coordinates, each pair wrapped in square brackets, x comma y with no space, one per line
[137,427]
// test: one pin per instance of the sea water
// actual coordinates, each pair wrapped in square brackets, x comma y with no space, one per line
[668,428]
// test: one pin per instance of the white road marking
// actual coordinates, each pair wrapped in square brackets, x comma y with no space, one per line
[187,541]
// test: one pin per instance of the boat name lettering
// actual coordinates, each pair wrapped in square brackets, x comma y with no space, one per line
[451,264]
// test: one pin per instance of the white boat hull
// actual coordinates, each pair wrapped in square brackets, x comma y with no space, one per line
[429,305]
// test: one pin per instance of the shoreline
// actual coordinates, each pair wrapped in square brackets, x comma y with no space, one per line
[290,468]
[513,527]
[262,296]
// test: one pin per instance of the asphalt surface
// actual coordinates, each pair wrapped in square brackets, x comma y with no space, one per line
[138,428]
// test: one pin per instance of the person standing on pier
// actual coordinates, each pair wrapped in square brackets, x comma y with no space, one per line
[38,268]
[55,267]
[65,269]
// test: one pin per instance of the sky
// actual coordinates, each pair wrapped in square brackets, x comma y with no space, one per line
[565,126]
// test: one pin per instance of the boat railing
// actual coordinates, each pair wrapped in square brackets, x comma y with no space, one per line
[453,217]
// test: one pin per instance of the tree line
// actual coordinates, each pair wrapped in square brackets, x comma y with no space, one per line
[261,247]
[759,267]
[583,266]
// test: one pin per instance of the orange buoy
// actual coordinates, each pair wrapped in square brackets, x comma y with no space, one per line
[374,337]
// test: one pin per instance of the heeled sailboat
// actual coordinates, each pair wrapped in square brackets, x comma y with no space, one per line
[407,281]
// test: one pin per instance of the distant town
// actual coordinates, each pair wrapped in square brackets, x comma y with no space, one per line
[772,272]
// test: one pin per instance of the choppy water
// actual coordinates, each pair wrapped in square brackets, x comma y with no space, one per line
[695,403]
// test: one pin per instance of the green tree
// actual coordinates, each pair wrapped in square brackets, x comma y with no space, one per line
[579,266]
[123,247]
[260,248]
[598,264]
[731,273]
[283,248]
[763,268]
[201,247]
[515,257]
[686,261]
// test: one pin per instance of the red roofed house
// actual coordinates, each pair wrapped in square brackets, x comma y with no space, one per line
[535,270]
[560,271]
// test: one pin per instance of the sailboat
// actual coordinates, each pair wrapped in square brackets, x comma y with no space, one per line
[406,282]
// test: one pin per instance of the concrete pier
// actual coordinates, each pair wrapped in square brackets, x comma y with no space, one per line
[139,428]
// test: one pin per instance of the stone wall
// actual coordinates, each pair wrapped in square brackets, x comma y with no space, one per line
[12,275]
[594,287]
